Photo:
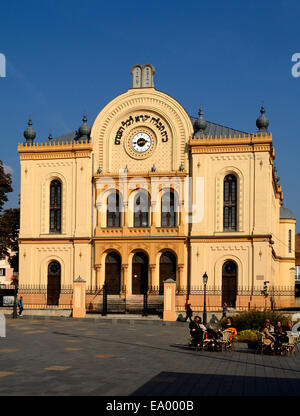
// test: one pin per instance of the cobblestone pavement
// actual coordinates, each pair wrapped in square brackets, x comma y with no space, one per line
[65,357]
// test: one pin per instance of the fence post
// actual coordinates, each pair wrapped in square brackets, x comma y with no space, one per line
[104,304]
[79,298]
[169,300]
[145,308]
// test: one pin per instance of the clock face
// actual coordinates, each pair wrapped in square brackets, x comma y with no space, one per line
[141,142]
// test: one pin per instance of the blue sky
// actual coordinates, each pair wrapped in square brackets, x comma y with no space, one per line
[67,57]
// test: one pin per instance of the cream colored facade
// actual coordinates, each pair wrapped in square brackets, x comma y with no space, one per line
[90,170]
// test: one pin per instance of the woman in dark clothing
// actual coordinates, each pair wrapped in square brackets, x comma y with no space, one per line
[280,336]
[189,312]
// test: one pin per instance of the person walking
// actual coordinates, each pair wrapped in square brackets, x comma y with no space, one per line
[189,312]
[21,306]
[224,310]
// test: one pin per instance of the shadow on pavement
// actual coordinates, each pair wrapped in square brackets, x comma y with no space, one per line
[189,384]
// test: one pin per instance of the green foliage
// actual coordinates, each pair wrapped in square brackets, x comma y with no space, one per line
[254,319]
[5,186]
[246,335]
[9,232]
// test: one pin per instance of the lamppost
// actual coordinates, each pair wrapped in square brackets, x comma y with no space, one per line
[265,292]
[205,278]
[15,310]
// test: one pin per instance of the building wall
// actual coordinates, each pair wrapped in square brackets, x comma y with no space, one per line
[72,165]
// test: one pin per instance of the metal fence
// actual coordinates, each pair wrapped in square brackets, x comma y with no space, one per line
[36,296]
[240,290]
[247,298]
[105,301]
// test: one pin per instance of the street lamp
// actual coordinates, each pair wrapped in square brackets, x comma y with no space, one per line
[15,310]
[205,278]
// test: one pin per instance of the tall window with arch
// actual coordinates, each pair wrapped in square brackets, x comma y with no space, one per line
[113,210]
[141,210]
[55,206]
[168,209]
[230,203]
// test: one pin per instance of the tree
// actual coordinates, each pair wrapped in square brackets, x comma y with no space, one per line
[9,233]
[5,186]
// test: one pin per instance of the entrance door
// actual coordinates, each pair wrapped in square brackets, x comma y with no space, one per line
[229,283]
[53,287]
[167,268]
[139,274]
[113,273]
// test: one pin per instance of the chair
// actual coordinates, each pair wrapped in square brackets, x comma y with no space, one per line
[297,341]
[225,341]
[289,347]
[201,344]
[261,346]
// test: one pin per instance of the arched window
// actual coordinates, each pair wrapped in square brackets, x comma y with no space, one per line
[168,210]
[141,210]
[113,210]
[230,203]
[55,206]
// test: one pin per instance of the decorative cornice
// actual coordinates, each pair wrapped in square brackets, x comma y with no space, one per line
[231,238]
[55,240]
[232,144]
[48,150]
[158,175]
[287,221]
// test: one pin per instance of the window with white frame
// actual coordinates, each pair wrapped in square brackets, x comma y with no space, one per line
[2,272]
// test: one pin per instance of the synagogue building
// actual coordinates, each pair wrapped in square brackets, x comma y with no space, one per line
[149,193]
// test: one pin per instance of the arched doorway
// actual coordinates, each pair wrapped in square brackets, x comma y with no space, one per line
[139,273]
[229,283]
[113,273]
[167,267]
[53,286]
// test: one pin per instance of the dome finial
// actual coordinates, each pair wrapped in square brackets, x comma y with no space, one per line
[262,122]
[200,124]
[29,133]
[84,130]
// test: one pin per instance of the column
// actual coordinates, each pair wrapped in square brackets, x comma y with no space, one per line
[125,214]
[169,300]
[124,280]
[98,276]
[152,268]
[181,283]
[79,298]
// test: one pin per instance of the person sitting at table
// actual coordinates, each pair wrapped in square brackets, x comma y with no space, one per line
[288,327]
[269,339]
[269,326]
[280,333]
[196,329]
[229,326]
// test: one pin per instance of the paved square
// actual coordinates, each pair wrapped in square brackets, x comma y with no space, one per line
[124,358]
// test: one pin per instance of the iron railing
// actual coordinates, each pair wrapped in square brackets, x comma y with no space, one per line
[240,290]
